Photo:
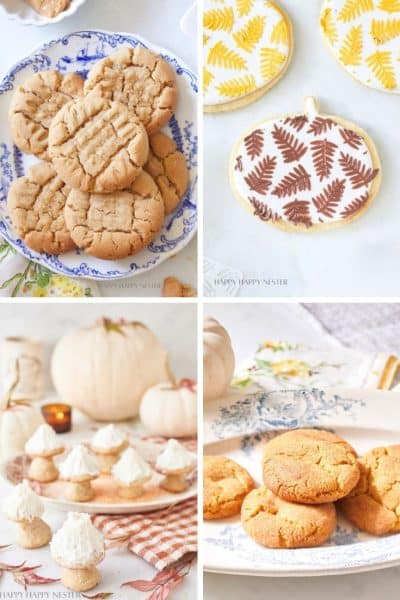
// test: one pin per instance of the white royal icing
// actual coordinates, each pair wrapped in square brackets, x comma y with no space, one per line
[246,47]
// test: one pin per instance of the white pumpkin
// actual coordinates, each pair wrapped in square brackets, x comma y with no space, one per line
[218,359]
[17,424]
[105,369]
[170,409]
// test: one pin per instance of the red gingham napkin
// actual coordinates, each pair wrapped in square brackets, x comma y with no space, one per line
[160,537]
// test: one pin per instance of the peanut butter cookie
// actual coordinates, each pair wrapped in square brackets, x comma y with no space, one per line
[310,466]
[49,8]
[112,226]
[36,207]
[168,168]
[97,145]
[225,485]
[275,523]
[374,504]
[140,79]
[35,104]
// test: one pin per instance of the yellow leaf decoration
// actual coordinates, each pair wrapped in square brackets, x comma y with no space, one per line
[280,34]
[219,19]
[271,62]
[328,26]
[244,7]
[207,79]
[354,8]
[221,56]
[384,31]
[205,39]
[381,66]
[249,36]
[234,88]
[390,6]
[351,51]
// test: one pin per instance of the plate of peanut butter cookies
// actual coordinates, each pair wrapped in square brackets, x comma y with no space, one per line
[98,155]
[302,482]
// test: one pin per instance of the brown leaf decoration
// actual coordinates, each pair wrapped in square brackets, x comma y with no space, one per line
[298,180]
[323,152]
[239,163]
[292,149]
[355,206]
[298,212]
[6,546]
[351,138]
[326,202]
[296,122]
[254,143]
[358,173]
[262,210]
[29,578]
[260,178]
[320,125]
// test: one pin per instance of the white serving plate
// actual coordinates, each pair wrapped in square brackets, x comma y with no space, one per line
[78,52]
[237,426]
[21,11]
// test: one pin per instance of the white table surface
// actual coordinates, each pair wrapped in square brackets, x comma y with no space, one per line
[248,324]
[156,20]
[356,260]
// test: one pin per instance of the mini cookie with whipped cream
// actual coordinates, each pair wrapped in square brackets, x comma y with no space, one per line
[78,547]
[79,469]
[108,443]
[131,472]
[175,463]
[42,447]
[25,508]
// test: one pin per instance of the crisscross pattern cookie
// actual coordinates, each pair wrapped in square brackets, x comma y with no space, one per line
[140,79]
[36,103]
[364,36]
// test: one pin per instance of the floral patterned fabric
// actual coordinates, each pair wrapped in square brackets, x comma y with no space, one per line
[19,277]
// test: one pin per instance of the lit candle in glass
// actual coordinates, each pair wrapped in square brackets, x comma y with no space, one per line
[58,416]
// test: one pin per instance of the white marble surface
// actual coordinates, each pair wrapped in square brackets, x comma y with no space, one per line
[156,20]
[356,260]
[248,324]
[177,331]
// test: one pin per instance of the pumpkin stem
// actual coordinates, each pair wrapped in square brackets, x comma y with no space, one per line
[187,383]
[110,325]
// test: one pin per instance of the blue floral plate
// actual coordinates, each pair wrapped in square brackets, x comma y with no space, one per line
[78,52]
[238,425]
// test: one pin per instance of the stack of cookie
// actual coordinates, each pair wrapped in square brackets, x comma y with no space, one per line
[305,472]
[108,175]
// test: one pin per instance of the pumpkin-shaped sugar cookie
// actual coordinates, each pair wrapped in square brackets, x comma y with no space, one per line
[247,49]
[305,172]
[364,36]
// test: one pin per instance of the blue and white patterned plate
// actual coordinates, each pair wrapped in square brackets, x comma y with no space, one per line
[78,52]
[238,425]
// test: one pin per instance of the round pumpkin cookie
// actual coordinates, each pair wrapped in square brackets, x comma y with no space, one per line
[225,484]
[309,466]
[247,48]
[36,207]
[374,504]
[168,168]
[50,8]
[275,523]
[364,36]
[35,104]
[112,226]
[305,172]
[97,145]
[140,79]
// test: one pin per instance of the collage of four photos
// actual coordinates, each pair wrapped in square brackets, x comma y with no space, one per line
[199,307]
